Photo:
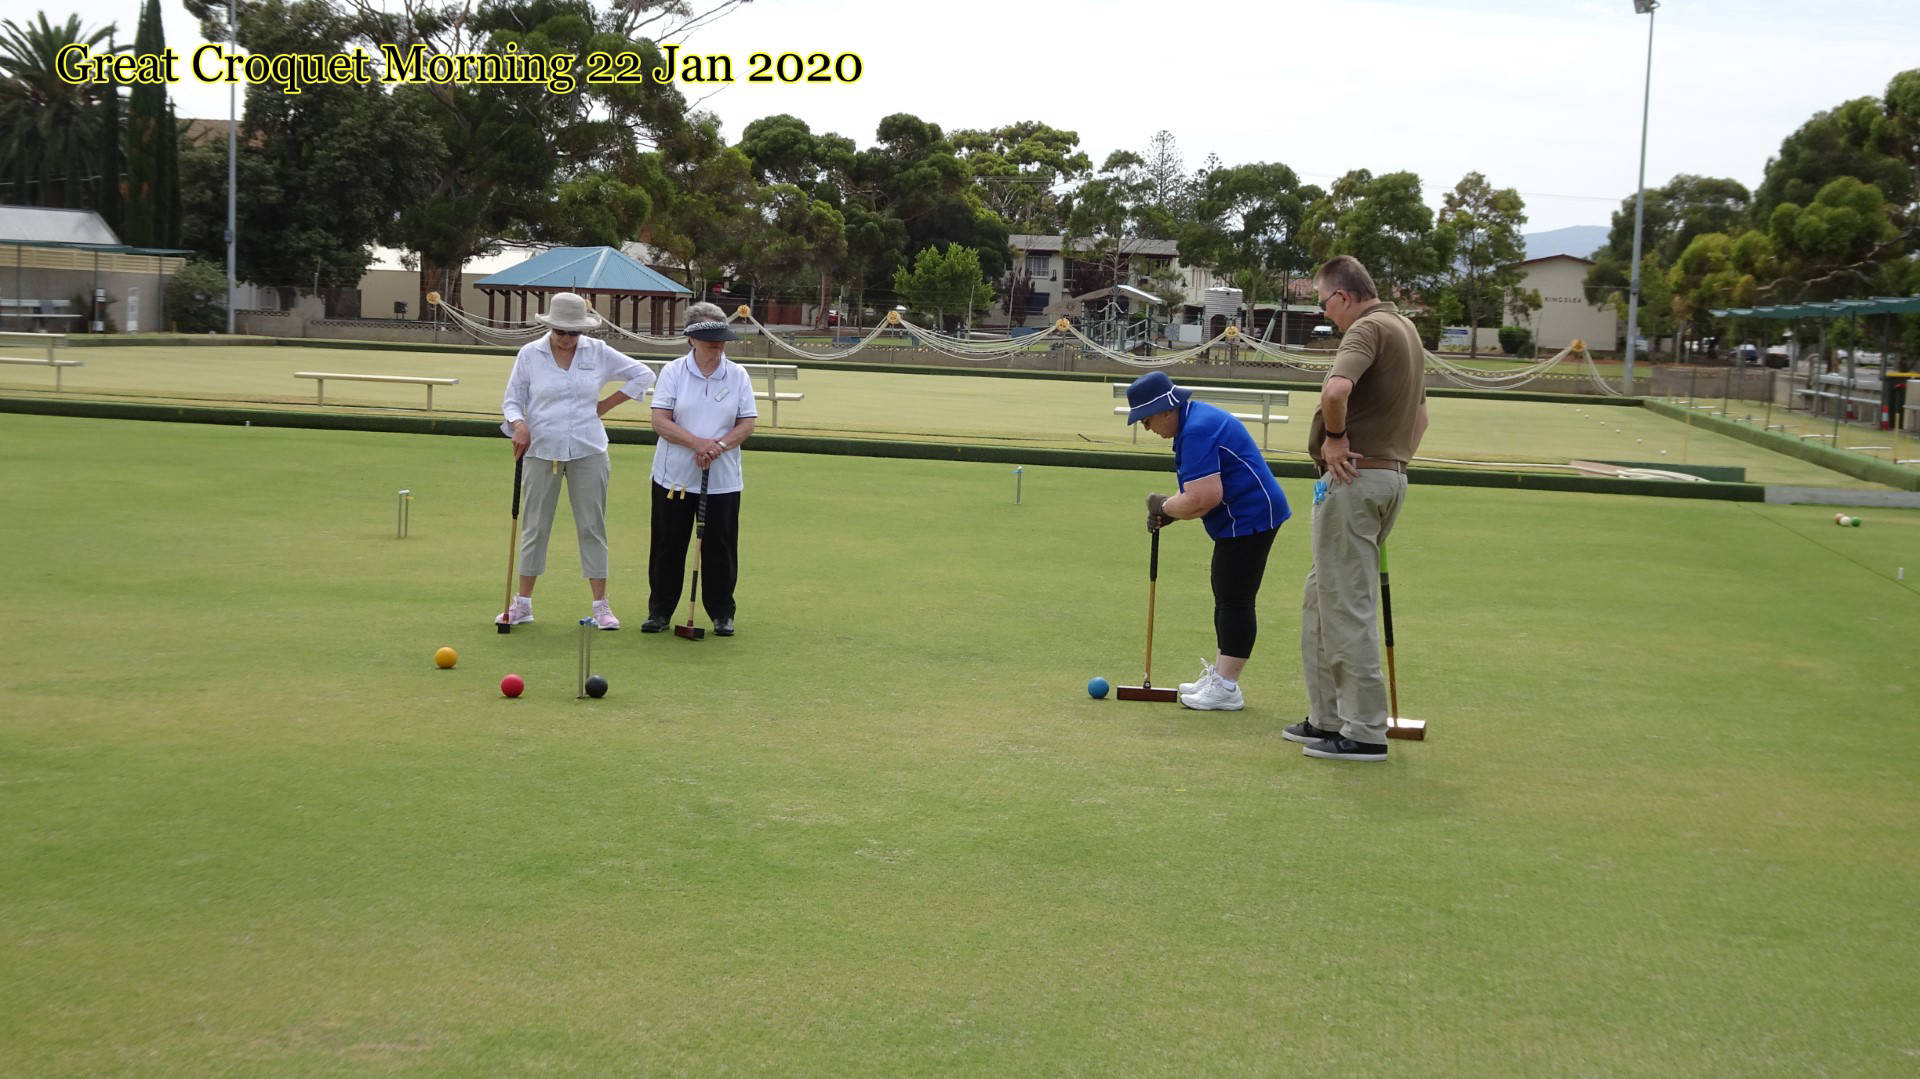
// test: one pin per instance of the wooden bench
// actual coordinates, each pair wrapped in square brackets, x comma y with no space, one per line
[320,379]
[774,373]
[49,343]
[1229,397]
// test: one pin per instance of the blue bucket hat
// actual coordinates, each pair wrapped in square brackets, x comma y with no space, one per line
[1153,392]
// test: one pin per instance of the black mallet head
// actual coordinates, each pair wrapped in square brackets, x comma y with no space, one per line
[691,633]
[502,627]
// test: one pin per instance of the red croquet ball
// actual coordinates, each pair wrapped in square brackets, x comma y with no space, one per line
[512,684]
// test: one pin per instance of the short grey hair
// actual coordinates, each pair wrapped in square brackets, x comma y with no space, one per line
[1344,273]
[705,312]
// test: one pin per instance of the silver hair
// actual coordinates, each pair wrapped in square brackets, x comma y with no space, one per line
[705,312]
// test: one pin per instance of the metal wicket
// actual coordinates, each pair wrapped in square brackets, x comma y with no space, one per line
[587,629]
[406,500]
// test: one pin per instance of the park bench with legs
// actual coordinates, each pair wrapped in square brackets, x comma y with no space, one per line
[47,345]
[1240,402]
[320,379]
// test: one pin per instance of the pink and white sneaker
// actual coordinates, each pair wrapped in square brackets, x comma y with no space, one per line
[519,614]
[603,615]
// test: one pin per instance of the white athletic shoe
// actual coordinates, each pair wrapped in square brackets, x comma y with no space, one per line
[517,615]
[1214,696]
[1206,676]
[603,615]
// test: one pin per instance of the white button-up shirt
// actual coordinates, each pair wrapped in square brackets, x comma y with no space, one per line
[708,407]
[559,404]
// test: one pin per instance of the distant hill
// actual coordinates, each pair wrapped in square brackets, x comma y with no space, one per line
[1580,241]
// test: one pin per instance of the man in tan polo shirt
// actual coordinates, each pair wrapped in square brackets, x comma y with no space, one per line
[1373,410]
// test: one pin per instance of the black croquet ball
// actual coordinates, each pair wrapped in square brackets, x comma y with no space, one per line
[596,686]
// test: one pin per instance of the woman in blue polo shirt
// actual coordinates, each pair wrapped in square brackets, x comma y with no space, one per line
[1224,481]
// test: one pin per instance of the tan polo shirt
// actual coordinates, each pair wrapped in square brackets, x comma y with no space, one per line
[1381,353]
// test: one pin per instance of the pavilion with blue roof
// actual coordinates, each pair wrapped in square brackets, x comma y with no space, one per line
[595,273]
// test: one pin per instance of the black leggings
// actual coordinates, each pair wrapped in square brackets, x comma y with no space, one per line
[1239,563]
[673,523]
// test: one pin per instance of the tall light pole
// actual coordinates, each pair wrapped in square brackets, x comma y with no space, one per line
[1640,7]
[232,144]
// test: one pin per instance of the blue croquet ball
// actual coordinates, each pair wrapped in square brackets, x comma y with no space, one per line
[596,686]
[1097,688]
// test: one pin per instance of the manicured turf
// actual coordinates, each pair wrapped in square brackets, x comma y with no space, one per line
[1037,412]
[1664,823]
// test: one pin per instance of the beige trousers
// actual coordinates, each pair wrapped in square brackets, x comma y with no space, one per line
[1339,610]
[586,480]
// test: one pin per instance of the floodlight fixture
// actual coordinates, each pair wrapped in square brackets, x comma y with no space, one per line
[1645,7]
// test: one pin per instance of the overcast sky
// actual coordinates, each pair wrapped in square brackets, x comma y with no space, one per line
[1540,95]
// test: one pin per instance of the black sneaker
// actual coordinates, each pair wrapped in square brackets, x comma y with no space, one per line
[723,627]
[1306,733]
[655,623]
[1345,749]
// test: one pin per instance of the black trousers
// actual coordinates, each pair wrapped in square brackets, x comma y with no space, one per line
[1239,564]
[673,520]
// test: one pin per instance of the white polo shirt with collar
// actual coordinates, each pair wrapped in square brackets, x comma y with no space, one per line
[559,404]
[708,406]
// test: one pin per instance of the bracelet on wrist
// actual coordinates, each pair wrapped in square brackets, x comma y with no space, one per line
[1335,434]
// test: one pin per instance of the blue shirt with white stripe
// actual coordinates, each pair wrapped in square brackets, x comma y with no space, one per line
[1211,441]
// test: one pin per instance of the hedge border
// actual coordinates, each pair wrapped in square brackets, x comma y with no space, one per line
[850,447]
[1848,464]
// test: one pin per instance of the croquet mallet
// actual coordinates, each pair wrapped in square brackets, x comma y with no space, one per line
[690,631]
[1145,691]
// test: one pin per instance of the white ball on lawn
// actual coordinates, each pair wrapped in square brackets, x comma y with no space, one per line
[1663,453]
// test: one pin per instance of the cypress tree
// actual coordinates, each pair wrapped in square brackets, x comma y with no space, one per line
[107,186]
[150,148]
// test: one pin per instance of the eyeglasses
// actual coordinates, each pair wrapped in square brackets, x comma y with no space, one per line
[566,333]
[1328,298]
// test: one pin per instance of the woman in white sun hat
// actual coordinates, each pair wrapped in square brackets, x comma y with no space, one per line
[553,408]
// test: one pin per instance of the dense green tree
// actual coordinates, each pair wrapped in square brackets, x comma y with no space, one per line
[1018,169]
[1681,209]
[1247,224]
[321,170]
[499,157]
[197,297]
[1833,247]
[800,241]
[1657,319]
[1716,270]
[1481,225]
[1851,139]
[950,285]
[709,217]
[920,180]
[1383,222]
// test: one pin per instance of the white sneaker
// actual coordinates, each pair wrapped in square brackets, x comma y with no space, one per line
[519,614]
[603,615]
[1214,696]
[1206,676]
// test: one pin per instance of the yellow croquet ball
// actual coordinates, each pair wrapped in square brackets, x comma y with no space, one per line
[445,658]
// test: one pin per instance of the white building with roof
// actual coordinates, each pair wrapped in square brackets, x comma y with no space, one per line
[65,271]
